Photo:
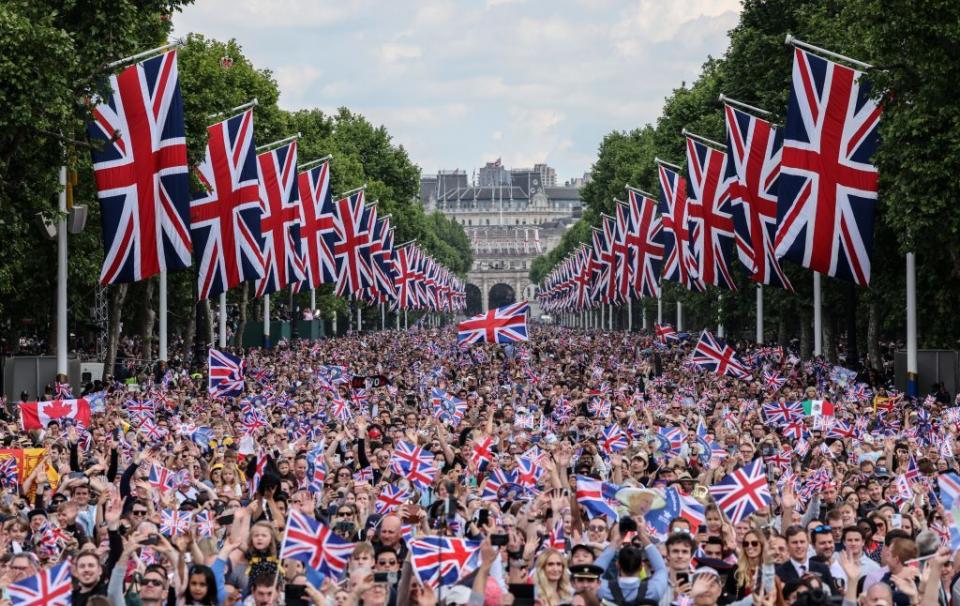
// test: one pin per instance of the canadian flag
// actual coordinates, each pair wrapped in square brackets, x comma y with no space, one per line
[36,415]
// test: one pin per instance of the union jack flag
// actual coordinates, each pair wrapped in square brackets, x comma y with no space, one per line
[781,458]
[711,224]
[280,221]
[413,463]
[9,472]
[389,498]
[49,587]
[313,543]
[351,228]
[710,355]
[482,454]
[529,471]
[203,522]
[679,263]
[691,509]
[828,185]
[174,523]
[496,480]
[225,374]
[501,325]
[404,275]
[161,478]
[742,492]
[665,333]
[595,497]
[780,413]
[443,560]
[773,380]
[754,165]
[644,237]
[316,225]
[140,166]
[225,217]
[557,539]
[671,439]
[614,439]
[364,475]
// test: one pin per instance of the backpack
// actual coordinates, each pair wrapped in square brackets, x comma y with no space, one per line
[617,593]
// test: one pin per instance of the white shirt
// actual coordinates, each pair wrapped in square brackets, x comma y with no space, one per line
[867,567]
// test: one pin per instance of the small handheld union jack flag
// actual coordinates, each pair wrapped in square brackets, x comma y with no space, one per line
[709,354]
[614,439]
[389,498]
[742,492]
[225,374]
[413,463]
[161,478]
[443,560]
[313,543]
[501,325]
[9,472]
[174,522]
[50,587]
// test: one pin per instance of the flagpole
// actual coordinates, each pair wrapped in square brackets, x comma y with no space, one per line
[817,317]
[720,316]
[313,300]
[659,309]
[163,317]
[277,143]
[222,320]
[629,315]
[62,275]
[266,321]
[759,313]
[383,318]
[791,41]
[405,324]
[235,110]
[153,51]
[679,316]
[643,308]
[334,324]
[359,318]
[610,316]
[912,368]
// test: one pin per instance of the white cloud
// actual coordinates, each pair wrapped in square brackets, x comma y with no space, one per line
[395,52]
[294,82]
[262,14]
[497,135]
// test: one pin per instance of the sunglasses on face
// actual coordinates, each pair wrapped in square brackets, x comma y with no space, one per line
[153,581]
[751,543]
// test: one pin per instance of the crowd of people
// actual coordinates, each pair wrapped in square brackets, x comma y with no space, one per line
[577,468]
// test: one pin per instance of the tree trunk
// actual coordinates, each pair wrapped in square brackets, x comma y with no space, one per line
[118,295]
[148,317]
[853,349]
[873,336]
[829,335]
[806,334]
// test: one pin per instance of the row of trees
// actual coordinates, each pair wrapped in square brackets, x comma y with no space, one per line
[53,54]
[911,46]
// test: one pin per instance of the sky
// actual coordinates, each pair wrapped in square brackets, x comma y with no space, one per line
[462,82]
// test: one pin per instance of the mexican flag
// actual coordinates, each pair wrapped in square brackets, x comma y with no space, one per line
[817,408]
[37,415]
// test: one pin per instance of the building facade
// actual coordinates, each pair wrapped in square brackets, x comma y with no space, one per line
[511,217]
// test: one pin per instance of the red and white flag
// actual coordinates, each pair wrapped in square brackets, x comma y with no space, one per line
[37,415]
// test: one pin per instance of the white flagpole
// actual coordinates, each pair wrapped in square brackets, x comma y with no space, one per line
[912,367]
[644,310]
[759,313]
[405,324]
[163,317]
[223,320]
[679,316]
[610,315]
[720,316]
[659,310]
[62,276]
[266,321]
[629,315]
[334,324]
[383,318]
[817,317]
[359,319]
[313,300]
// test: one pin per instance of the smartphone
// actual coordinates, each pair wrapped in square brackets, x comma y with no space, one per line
[293,595]
[483,518]
[153,539]
[683,578]
[897,520]
[498,540]
[225,520]
[381,577]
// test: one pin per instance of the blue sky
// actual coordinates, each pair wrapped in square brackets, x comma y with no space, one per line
[459,83]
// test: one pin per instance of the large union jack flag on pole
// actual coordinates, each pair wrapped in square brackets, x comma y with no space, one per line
[225,374]
[225,218]
[351,226]
[721,359]
[711,225]
[140,166]
[743,492]
[679,264]
[316,225]
[50,587]
[501,325]
[755,148]
[280,223]
[645,239]
[314,544]
[828,185]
